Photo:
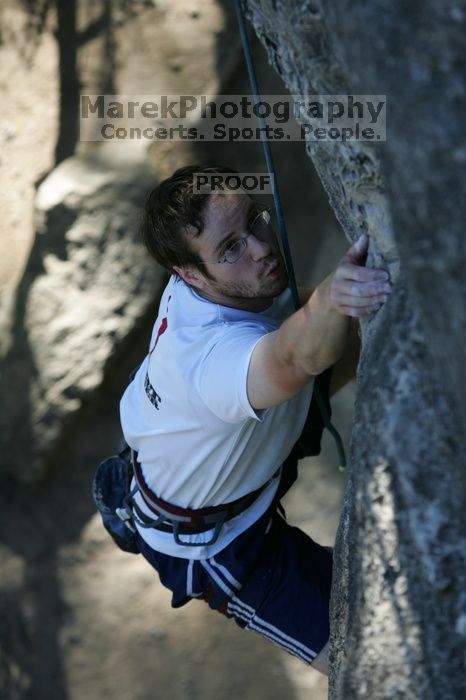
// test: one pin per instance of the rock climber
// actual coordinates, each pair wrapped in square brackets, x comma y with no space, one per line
[221,409]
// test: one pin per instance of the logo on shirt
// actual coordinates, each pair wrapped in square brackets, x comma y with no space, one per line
[151,394]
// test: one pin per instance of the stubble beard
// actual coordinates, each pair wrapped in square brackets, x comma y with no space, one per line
[265,289]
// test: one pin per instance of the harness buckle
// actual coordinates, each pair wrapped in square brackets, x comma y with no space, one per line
[126,517]
[215,535]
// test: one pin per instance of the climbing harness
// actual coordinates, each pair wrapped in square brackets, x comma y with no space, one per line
[280,217]
[114,494]
[187,521]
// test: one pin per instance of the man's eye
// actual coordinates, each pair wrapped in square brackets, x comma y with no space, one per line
[231,247]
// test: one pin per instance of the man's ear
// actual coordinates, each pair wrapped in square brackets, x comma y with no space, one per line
[190,276]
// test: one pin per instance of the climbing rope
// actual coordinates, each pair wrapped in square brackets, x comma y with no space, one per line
[281,219]
[268,156]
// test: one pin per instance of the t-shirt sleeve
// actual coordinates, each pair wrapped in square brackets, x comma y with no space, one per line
[222,374]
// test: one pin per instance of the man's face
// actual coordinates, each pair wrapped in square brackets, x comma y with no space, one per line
[257,276]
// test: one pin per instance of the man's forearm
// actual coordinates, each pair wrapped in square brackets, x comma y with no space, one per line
[315,336]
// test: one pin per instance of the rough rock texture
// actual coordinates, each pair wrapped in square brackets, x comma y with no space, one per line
[86,286]
[399,607]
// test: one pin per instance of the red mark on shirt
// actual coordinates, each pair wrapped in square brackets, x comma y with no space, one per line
[161,331]
[163,327]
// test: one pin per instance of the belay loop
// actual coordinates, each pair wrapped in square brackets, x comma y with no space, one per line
[280,217]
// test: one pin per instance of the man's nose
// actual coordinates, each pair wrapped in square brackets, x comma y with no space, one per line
[258,248]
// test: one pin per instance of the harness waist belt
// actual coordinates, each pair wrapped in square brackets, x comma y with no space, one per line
[189,520]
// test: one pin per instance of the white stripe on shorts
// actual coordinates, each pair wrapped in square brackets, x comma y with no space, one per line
[210,570]
[223,569]
[189,581]
[248,614]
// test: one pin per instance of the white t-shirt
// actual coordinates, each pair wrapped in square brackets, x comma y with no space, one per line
[187,414]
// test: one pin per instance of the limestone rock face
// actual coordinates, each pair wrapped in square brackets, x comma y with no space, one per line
[398,604]
[298,46]
[86,286]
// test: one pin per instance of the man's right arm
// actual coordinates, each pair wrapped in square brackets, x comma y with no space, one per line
[315,336]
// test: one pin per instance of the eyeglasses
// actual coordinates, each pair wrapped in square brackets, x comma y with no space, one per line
[258,224]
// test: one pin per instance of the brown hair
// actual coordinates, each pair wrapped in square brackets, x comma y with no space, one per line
[170,208]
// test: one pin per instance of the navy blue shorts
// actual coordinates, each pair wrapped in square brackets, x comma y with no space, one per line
[273,579]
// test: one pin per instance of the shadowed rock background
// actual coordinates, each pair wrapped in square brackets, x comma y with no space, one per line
[78,297]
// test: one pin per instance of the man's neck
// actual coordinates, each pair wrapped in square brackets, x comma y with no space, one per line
[254,305]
